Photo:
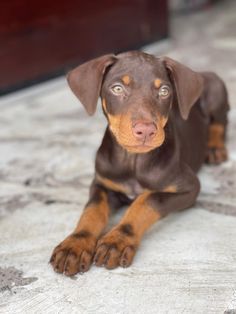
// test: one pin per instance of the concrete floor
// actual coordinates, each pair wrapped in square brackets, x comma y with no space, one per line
[186,263]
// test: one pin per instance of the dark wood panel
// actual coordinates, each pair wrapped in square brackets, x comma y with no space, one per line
[40,39]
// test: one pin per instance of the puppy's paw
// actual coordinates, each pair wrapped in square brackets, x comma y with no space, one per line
[115,249]
[216,155]
[74,254]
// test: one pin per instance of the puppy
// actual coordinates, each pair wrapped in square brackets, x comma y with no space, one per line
[164,122]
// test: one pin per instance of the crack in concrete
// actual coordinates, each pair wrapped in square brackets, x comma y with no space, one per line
[11,277]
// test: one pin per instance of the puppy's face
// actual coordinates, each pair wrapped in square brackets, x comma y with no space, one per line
[137,91]
[136,98]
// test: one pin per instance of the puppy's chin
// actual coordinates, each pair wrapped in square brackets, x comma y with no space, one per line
[140,149]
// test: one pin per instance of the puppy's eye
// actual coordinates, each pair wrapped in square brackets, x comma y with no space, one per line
[164,91]
[117,89]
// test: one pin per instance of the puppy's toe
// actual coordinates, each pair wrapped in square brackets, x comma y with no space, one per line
[115,249]
[73,255]
[216,156]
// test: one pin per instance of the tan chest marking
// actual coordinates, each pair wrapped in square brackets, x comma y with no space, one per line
[112,185]
[170,189]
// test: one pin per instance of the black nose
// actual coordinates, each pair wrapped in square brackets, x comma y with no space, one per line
[144,130]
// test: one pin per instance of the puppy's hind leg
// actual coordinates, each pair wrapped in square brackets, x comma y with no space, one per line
[217,109]
[216,149]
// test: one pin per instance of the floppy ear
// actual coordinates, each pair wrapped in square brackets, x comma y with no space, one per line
[188,85]
[86,80]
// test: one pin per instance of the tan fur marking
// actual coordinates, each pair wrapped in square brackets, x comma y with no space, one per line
[104,104]
[157,83]
[121,127]
[126,79]
[94,217]
[170,189]
[163,121]
[140,215]
[114,123]
[216,136]
[111,184]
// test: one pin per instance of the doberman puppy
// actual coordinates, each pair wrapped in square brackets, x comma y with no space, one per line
[164,121]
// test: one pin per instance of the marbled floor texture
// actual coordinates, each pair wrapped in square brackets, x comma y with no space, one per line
[186,263]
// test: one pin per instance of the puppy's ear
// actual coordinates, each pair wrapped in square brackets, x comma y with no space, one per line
[188,85]
[86,80]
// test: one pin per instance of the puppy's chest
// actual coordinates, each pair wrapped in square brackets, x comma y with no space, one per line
[128,174]
[131,187]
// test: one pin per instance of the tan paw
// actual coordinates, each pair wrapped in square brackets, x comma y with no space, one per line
[216,155]
[74,254]
[115,249]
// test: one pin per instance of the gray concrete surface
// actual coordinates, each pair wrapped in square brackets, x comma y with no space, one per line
[186,263]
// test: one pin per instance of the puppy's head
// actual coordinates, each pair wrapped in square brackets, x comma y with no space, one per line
[137,92]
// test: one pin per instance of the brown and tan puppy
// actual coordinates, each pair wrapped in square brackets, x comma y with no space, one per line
[164,121]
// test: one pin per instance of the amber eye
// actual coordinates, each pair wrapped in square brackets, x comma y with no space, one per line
[117,89]
[164,91]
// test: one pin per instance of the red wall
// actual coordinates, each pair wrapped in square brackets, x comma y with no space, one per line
[41,39]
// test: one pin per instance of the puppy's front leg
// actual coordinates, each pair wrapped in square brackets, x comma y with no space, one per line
[76,252]
[118,247]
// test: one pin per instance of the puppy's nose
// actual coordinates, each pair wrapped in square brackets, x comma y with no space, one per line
[144,130]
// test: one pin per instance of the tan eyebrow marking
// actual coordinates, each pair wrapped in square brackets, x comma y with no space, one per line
[126,79]
[157,83]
